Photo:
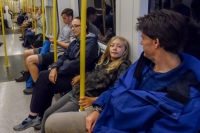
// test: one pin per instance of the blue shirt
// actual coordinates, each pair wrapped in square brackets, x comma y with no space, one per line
[153,81]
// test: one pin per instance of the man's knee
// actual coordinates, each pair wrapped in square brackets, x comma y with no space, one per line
[32,59]
[28,52]
[51,124]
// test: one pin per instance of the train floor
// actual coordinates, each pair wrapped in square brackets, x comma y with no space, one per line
[14,104]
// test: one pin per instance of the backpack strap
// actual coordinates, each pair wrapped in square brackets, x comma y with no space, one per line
[142,62]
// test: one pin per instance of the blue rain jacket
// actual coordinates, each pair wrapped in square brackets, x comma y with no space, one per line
[127,110]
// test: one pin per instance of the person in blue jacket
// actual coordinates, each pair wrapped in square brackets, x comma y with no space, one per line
[159,93]
[58,78]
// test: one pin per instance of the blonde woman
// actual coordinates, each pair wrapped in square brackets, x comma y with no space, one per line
[111,65]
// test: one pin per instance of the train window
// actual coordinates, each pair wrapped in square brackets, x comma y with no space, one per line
[181,6]
[105,18]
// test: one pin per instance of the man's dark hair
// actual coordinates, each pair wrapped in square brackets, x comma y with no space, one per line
[91,11]
[87,24]
[167,26]
[68,12]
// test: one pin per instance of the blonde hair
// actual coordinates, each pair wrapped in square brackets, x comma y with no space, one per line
[105,58]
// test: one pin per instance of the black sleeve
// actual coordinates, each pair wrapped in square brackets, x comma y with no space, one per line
[73,66]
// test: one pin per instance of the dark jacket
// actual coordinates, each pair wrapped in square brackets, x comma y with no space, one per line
[128,110]
[99,80]
[71,57]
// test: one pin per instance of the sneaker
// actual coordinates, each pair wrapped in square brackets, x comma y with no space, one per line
[38,127]
[28,91]
[28,123]
[24,77]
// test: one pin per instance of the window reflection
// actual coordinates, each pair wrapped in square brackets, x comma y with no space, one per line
[181,6]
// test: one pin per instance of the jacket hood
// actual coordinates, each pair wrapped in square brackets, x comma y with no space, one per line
[90,35]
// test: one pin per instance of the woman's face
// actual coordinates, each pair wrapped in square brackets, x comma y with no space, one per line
[117,49]
[76,27]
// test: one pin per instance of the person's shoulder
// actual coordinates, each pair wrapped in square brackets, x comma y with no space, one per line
[126,63]
[91,36]
[67,27]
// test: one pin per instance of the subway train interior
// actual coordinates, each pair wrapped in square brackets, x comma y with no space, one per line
[113,17]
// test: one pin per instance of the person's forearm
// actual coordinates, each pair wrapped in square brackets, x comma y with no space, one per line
[63,44]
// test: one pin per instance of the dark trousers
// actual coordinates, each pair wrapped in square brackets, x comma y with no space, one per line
[44,91]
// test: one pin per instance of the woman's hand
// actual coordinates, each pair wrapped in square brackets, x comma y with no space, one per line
[75,80]
[86,101]
[53,75]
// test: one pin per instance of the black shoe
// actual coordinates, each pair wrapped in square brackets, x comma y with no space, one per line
[1,44]
[24,77]
[28,91]
[38,127]
[21,37]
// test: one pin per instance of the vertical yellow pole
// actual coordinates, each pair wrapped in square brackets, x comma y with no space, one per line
[54,30]
[43,21]
[27,4]
[23,5]
[3,31]
[13,15]
[34,5]
[82,49]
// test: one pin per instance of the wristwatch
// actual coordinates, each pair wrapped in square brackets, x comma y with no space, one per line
[97,108]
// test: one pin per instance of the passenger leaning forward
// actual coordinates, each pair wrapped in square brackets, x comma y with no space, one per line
[58,78]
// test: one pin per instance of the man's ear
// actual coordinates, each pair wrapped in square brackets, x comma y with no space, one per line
[156,43]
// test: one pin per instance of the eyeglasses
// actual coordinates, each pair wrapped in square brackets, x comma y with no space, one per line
[74,26]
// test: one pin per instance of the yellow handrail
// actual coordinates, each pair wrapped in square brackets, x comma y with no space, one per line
[3,31]
[55,30]
[82,49]
[34,6]
[23,5]
[43,21]
[27,4]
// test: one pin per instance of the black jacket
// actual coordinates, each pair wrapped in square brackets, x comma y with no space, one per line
[71,57]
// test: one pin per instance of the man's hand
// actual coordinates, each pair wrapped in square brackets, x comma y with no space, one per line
[53,75]
[75,80]
[51,40]
[91,120]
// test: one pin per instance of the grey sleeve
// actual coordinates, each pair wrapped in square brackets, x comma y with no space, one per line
[65,35]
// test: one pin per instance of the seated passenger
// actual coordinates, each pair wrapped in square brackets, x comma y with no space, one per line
[160,92]
[5,21]
[27,22]
[32,56]
[30,33]
[110,66]
[58,78]
[91,17]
